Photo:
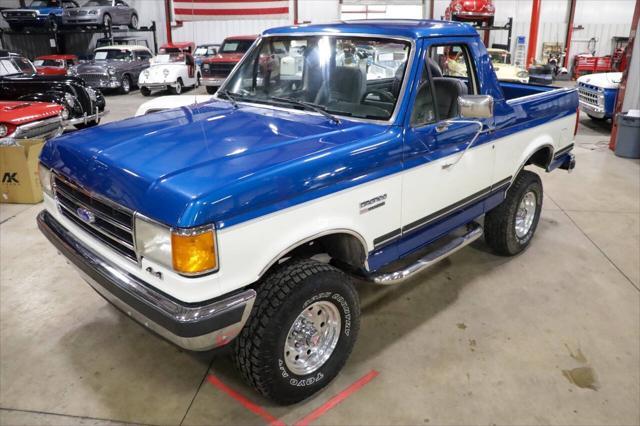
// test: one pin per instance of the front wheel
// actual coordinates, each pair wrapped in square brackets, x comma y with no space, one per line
[211,90]
[125,85]
[301,331]
[145,91]
[510,226]
[177,89]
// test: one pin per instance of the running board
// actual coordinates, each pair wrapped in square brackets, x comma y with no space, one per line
[474,232]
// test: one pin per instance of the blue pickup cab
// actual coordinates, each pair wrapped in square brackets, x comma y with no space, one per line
[333,154]
[598,93]
[39,13]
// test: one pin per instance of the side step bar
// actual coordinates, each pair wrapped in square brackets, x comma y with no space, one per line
[390,278]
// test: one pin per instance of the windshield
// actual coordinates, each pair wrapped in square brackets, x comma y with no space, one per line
[235,46]
[48,63]
[98,3]
[112,55]
[350,76]
[8,68]
[177,57]
[42,3]
[205,51]
[500,57]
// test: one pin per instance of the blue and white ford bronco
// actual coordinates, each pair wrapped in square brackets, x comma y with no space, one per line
[247,217]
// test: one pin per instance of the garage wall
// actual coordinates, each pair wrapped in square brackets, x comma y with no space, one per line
[215,31]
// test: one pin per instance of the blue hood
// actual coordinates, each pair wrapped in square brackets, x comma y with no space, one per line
[48,10]
[212,163]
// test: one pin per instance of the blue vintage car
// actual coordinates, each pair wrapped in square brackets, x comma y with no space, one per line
[331,152]
[40,13]
[598,93]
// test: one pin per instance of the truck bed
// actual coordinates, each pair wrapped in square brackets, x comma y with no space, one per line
[519,90]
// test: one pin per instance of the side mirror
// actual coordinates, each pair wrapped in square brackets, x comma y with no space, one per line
[475,106]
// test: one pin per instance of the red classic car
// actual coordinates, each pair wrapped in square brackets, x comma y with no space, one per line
[54,64]
[216,69]
[471,11]
[23,119]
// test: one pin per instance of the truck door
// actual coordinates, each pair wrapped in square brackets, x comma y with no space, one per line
[446,179]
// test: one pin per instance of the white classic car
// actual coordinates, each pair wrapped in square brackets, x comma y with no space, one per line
[171,71]
[163,103]
[505,71]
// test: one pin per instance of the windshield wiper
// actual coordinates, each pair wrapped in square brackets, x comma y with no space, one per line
[230,97]
[308,105]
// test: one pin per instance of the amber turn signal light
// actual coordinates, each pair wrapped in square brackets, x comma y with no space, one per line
[194,253]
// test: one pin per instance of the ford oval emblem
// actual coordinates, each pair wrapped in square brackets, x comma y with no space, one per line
[85,215]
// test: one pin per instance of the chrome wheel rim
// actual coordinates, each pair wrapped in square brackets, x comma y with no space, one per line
[125,84]
[134,21]
[525,214]
[312,338]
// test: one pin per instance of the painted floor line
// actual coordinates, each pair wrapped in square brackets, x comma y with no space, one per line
[256,409]
[354,387]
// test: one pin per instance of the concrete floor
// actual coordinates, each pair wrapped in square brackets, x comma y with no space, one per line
[478,339]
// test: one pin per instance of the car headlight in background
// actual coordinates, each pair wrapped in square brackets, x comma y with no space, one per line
[186,251]
[64,114]
[146,73]
[4,130]
[111,71]
[45,179]
[523,74]
[93,12]
[165,72]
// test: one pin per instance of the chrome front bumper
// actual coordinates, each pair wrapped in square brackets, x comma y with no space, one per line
[192,326]
[213,81]
[32,130]
[158,86]
[86,118]
[593,110]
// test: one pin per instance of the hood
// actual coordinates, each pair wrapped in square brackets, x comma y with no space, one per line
[93,66]
[20,112]
[51,70]
[211,163]
[607,80]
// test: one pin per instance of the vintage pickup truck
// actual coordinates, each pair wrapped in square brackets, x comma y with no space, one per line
[247,217]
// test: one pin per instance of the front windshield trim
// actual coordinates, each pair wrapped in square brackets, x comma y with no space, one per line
[392,119]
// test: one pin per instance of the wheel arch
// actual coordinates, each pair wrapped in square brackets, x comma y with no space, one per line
[539,153]
[344,245]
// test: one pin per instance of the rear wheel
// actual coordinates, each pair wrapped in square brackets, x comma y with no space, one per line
[300,332]
[510,226]
[211,90]
[133,22]
[599,119]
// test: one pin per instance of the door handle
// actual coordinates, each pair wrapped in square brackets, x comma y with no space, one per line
[442,126]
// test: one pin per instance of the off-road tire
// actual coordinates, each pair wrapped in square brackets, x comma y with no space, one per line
[499,224]
[211,90]
[286,292]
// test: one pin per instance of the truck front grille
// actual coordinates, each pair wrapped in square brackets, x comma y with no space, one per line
[588,95]
[218,69]
[111,224]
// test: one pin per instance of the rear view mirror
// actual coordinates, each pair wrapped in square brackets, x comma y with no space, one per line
[475,106]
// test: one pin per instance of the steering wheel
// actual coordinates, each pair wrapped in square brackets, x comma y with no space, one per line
[384,96]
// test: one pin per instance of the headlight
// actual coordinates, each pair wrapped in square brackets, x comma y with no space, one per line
[458,7]
[45,179]
[165,72]
[523,74]
[72,71]
[188,252]
[111,71]
[70,99]
[93,12]
[146,73]
[4,131]
[92,94]
[64,114]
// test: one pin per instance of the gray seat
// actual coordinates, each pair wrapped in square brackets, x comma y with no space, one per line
[346,84]
[447,92]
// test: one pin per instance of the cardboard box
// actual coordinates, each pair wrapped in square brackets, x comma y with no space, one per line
[19,180]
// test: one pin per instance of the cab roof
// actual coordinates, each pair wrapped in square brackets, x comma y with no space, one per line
[409,28]
[123,47]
